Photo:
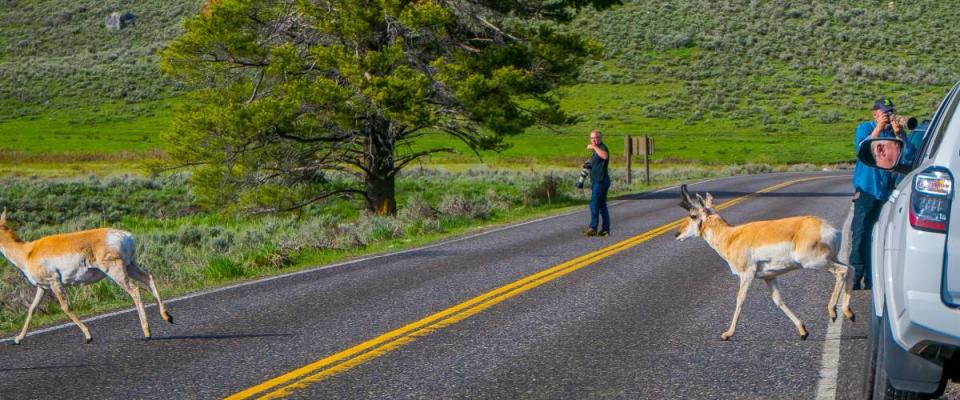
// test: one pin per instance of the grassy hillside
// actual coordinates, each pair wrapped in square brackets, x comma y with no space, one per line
[70,85]
[776,64]
[720,82]
[59,52]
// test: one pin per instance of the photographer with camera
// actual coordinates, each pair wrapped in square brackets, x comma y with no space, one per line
[873,186]
[600,184]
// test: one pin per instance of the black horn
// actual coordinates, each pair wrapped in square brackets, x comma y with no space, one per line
[685,200]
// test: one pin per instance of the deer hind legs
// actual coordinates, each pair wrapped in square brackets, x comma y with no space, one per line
[115,269]
[134,292]
[844,279]
[146,279]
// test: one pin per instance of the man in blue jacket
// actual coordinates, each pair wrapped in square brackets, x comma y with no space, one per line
[873,187]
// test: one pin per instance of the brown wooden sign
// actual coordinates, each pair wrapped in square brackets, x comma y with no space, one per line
[639,146]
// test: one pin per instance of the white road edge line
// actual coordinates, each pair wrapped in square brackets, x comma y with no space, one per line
[355,261]
[830,358]
[830,361]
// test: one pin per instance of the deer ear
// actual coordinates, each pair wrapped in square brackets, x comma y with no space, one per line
[709,201]
[3,217]
[700,201]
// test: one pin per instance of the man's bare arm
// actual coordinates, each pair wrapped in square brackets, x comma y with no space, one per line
[600,153]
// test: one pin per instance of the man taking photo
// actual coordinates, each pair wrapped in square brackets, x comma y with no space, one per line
[873,186]
[600,184]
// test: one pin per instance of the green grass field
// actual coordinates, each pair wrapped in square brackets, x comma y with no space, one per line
[116,136]
[99,128]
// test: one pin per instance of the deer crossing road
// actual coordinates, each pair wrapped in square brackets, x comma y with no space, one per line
[533,310]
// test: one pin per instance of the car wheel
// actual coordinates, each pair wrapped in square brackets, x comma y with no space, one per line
[881,388]
[870,364]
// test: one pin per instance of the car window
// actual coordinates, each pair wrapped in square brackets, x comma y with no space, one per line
[941,121]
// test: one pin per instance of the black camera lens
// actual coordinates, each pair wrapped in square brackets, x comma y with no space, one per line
[583,175]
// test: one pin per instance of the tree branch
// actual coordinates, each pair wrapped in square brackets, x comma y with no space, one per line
[263,210]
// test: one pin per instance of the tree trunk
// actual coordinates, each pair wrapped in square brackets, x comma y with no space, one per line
[380,188]
[381,197]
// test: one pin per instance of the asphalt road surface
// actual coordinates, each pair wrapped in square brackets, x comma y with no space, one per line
[533,310]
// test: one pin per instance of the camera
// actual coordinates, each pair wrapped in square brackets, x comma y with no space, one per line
[908,122]
[583,174]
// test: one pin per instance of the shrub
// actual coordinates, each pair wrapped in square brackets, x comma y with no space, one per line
[543,190]
[222,268]
[459,205]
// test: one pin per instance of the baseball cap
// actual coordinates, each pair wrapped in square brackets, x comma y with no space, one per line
[884,105]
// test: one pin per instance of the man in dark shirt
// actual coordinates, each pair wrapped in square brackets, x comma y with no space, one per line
[600,183]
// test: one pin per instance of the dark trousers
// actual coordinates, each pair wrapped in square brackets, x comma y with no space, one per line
[866,211]
[598,204]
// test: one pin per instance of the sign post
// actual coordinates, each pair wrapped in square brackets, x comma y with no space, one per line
[647,152]
[637,146]
[628,151]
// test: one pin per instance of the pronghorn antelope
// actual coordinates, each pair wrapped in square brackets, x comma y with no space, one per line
[78,258]
[767,249]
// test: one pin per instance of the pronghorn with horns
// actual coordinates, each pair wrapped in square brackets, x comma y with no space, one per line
[767,249]
[78,258]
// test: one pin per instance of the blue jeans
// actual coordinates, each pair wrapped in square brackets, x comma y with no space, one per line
[866,211]
[598,204]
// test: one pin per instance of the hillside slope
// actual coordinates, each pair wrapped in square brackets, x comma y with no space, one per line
[749,67]
[58,50]
[775,62]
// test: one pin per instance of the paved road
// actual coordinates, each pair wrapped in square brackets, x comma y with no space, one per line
[639,322]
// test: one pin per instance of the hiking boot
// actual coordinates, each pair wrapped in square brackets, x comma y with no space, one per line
[603,233]
[589,232]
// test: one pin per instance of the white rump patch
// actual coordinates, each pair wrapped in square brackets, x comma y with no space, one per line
[123,243]
[830,236]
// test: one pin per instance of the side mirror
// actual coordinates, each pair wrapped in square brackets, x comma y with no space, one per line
[883,153]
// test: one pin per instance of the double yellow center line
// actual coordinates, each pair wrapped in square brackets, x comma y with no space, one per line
[300,378]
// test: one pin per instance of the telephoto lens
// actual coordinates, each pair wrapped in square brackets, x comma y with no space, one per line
[908,122]
[583,175]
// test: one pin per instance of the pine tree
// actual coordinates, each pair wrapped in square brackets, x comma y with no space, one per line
[295,101]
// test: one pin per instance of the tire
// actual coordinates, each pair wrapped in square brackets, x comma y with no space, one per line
[870,364]
[880,388]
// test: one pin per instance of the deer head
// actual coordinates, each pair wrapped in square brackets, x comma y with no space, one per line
[698,209]
[6,233]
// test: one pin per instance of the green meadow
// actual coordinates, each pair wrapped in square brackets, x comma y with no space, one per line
[122,134]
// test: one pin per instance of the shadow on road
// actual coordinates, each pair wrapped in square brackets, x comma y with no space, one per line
[722,195]
[50,367]
[222,337]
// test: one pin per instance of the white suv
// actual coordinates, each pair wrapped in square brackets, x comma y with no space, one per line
[915,324]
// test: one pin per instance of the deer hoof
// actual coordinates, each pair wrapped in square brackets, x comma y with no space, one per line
[169,318]
[725,336]
[850,315]
[833,317]
[88,340]
[17,341]
[803,336]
